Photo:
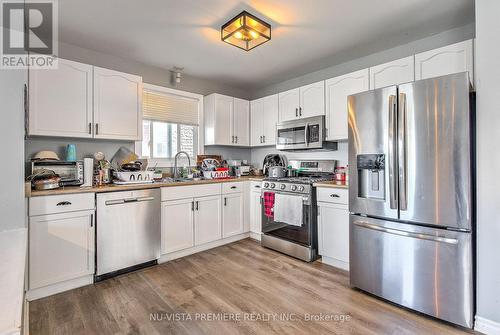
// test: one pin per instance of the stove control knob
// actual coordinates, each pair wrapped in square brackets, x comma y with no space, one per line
[273,185]
[294,188]
[266,185]
[301,188]
[283,186]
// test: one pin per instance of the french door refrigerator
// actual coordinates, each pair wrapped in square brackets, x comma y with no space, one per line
[411,196]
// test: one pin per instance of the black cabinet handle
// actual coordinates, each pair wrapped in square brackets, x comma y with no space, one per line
[90,128]
[64,203]
[335,195]
[197,205]
[257,186]
[300,111]
[233,187]
[97,128]
[296,112]
[91,220]
[192,205]
[225,201]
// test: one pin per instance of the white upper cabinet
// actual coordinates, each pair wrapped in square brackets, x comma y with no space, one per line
[393,73]
[312,100]
[450,59]
[264,117]
[227,120]
[302,102]
[241,122]
[289,103]
[80,100]
[271,115]
[337,91]
[256,122]
[117,105]
[60,100]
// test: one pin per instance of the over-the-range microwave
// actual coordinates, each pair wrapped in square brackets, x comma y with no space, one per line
[303,134]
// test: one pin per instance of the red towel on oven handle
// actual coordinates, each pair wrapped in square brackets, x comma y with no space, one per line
[269,204]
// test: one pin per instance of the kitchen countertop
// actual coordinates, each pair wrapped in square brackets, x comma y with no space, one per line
[114,188]
[332,184]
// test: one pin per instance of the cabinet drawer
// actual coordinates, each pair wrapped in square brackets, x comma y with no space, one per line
[189,191]
[333,195]
[54,204]
[233,187]
[255,186]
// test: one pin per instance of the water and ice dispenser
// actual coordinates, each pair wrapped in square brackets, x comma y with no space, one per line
[371,176]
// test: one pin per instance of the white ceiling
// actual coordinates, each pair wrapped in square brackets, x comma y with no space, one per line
[185,33]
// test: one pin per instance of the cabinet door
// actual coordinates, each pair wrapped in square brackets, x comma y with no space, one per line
[207,219]
[223,119]
[312,100]
[392,73]
[61,247]
[241,122]
[270,119]
[232,214]
[337,91]
[177,229]
[255,213]
[60,100]
[450,59]
[117,105]
[289,102]
[333,232]
[257,122]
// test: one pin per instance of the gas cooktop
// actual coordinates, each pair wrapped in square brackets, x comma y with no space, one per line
[301,180]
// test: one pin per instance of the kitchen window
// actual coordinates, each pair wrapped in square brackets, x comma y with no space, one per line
[170,124]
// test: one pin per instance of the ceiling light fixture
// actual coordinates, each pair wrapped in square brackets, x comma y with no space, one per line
[246,31]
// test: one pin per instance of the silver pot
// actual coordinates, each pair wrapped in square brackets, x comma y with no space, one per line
[276,171]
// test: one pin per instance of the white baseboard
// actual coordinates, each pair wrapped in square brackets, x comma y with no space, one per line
[67,285]
[335,263]
[486,326]
[203,247]
[255,236]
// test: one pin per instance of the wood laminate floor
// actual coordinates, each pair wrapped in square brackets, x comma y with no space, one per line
[240,288]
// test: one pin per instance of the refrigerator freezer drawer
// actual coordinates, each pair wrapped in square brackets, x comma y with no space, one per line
[425,269]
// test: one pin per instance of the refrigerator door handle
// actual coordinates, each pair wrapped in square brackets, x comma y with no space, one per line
[406,233]
[402,153]
[392,153]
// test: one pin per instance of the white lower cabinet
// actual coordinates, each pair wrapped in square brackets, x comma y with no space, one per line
[177,225]
[255,214]
[207,219]
[333,230]
[232,214]
[61,247]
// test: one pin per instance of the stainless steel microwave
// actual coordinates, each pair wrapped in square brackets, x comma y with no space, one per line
[71,173]
[303,134]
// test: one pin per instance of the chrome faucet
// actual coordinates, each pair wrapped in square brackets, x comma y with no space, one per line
[176,172]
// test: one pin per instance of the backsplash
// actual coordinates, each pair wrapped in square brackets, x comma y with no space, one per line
[258,154]
[84,147]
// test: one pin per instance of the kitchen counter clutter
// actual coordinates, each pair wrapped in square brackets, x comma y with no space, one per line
[13,260]
[115,188]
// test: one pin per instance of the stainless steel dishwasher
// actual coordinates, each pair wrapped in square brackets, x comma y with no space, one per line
[128,231]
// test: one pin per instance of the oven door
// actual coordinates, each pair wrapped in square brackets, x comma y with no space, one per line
[302,234]
[300,134]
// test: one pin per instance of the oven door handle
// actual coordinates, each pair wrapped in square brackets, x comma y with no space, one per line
[306,135]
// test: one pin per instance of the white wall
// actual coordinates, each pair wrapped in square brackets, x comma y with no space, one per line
[12,202]
[488,159]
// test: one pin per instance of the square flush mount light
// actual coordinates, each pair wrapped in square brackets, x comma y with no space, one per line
[246,31]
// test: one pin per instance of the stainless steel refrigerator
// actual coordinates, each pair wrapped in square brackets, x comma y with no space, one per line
[411,196]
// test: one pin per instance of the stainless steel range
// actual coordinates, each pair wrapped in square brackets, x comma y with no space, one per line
[289,209]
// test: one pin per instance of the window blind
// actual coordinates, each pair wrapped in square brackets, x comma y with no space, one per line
[169,108]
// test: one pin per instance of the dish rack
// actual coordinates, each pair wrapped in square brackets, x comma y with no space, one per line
[134,176]
[219,173]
